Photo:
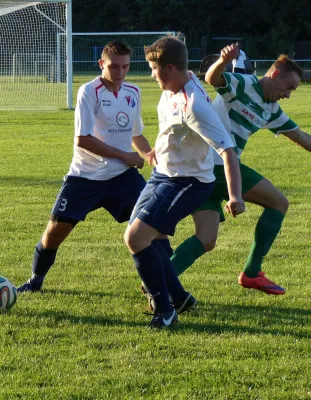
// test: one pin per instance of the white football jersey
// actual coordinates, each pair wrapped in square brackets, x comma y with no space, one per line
[113,118]
[189,126]
[239,62]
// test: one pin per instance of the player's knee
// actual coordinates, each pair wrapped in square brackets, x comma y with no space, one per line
[130,239]
[209,245]
[126,237]
[283,204]
[50,241]
[286,204]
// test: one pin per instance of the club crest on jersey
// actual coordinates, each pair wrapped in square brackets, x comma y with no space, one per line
[266,115]
[122,119]
[130,101]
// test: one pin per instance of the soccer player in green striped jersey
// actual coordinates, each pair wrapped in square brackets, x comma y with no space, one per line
[245,105]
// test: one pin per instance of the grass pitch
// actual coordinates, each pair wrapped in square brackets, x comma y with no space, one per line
[86,336]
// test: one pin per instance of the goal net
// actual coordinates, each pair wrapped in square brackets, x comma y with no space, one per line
[33,54]
[87,49]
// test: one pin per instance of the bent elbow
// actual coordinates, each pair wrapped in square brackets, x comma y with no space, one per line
[208,79]
[81,141]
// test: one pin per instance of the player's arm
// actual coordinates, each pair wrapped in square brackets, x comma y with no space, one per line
[235,205]
[299,137]
[141,144]
[205,121]
[214,75]
[95,146]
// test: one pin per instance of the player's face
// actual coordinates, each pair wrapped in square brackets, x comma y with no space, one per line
[283,85]
[161,75]
[115,68]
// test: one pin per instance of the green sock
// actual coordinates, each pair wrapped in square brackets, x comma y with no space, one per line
[186,254]
[268,226]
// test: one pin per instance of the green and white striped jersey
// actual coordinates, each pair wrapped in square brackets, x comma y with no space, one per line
[243,110]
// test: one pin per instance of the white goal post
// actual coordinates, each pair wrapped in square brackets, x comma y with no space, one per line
[35,54]
[39,54]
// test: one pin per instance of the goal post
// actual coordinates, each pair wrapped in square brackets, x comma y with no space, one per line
[35,54]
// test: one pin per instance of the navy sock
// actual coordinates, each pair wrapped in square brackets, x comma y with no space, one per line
[151,271]
[43,259]
[165,243]
[174,286]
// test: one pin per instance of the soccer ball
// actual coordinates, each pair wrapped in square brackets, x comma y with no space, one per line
[8,294]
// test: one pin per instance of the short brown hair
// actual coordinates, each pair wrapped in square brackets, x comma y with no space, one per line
[285,64]
[168,50]
[117,48]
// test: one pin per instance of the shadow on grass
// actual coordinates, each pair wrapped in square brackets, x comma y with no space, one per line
[241,319]
[231,319]
[61,316]
[79,293]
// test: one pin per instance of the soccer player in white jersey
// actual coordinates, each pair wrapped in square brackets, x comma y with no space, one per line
[103,171]
[245,105]
[238,63]
[182,179]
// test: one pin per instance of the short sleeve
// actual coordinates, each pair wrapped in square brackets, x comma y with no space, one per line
[206,122]
[138,125]
[85,112]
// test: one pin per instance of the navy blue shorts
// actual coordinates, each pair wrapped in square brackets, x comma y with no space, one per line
[165,201]
[79,196]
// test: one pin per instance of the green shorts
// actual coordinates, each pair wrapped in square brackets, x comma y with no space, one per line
[250,178]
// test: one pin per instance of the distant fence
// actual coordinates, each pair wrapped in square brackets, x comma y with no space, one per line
[260,66]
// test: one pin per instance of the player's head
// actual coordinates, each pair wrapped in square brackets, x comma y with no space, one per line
[115,61]
[284,76]
[167,57]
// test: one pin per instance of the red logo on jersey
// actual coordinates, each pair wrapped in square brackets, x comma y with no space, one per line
[246,112]
[130,101]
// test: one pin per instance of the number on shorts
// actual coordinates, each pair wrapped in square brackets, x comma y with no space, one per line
[63,204]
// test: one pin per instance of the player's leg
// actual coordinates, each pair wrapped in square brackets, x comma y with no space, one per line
[45,254]
[206,218]
[75,200]
[162,240]
[164,205]
[275,205]
[204,240]
[139,238]
[149,260]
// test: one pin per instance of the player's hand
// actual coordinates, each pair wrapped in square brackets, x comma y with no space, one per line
[133,159]
[152,160]
[229,53]
[235,206]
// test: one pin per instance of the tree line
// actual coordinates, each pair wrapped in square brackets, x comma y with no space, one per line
[270,26]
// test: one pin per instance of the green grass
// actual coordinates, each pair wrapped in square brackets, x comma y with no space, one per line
[86,336]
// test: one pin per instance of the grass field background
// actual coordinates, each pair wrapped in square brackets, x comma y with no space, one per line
[86,337]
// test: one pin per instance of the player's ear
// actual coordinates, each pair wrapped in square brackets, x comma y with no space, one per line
[101,63]
[169,67]
[275,73]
